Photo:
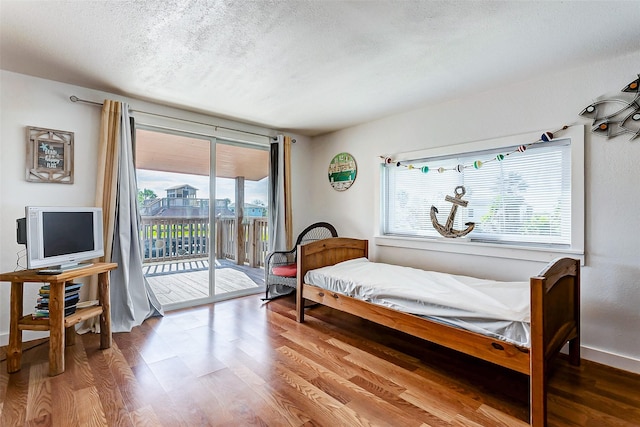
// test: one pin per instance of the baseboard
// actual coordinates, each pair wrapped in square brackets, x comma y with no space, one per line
[624,363]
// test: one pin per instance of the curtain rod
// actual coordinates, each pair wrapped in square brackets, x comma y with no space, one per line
[74,98]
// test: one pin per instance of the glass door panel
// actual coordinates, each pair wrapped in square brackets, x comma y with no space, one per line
[241,194]
[173,174]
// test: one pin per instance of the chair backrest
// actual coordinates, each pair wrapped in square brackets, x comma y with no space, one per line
[317,231]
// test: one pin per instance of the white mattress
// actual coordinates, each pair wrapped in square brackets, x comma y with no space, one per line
[496,309]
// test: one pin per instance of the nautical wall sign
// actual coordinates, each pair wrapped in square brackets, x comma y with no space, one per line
[49,155]
[342,171]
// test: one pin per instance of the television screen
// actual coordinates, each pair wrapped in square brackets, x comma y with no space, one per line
[61,237]
[65,233]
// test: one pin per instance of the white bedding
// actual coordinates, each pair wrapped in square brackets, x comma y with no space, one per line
[498,309]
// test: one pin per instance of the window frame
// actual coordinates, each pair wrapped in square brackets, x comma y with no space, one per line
[498,250]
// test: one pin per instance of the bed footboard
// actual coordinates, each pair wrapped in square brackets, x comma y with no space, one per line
[555,320]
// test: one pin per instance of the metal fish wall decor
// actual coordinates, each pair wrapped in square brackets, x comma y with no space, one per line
[616,116]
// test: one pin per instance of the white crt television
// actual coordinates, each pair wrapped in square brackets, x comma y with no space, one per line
[61,237]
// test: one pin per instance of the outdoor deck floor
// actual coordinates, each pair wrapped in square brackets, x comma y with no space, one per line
[175,282]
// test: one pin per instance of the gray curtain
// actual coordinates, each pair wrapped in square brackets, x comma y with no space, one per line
[132,299]
[277,228]
[277,231]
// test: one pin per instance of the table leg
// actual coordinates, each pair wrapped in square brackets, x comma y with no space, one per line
[105,318]
[69,336]
[14,350]
[56,328]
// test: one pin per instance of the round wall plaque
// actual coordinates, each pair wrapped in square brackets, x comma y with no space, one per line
[342,171]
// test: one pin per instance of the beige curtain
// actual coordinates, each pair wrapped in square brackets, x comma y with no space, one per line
[107,177]
[288,210]
[106,185]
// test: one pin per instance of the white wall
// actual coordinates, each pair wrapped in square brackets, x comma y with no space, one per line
[611,276]
[28,101]
[33,102]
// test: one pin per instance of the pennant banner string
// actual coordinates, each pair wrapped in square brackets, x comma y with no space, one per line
[545,137]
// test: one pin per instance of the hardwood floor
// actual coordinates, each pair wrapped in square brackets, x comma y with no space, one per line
[239,362]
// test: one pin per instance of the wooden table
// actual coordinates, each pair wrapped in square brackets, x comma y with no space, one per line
[57,324]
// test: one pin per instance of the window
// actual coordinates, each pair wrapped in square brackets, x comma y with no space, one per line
[531,199]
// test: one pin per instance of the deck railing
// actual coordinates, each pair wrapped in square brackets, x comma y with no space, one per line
[170,238]
[196,207]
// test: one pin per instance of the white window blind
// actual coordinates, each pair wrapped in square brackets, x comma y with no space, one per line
[524,199]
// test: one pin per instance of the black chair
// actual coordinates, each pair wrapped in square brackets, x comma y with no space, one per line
[280,268]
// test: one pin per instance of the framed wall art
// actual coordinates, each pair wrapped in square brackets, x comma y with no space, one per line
[342,171]
[49,155]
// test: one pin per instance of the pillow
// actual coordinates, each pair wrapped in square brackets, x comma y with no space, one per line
[289,270]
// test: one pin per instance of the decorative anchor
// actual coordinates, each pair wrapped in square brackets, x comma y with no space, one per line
[447,230]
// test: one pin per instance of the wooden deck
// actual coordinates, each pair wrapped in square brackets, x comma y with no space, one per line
[176,282]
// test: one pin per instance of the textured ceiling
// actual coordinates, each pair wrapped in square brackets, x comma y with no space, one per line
[307,66]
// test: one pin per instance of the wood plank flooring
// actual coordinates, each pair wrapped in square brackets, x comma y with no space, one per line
[241,362]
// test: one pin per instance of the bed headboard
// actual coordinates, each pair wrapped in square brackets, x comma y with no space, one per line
[328,252]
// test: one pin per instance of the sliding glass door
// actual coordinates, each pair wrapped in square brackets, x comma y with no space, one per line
[241,188]
[200,239]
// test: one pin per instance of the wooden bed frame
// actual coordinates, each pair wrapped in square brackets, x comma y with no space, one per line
[555,317]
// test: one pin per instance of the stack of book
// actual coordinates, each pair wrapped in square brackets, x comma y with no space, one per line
[71,298]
